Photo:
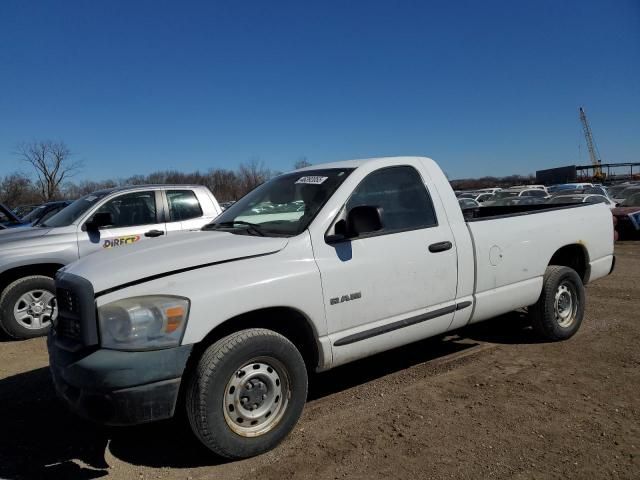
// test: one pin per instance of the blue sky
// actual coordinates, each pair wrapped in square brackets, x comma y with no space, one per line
[489,87]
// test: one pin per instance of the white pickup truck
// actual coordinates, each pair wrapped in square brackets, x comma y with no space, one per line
[311,270]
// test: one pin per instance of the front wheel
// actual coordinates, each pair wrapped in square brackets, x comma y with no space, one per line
[558,313]
[247,393]
[27,307]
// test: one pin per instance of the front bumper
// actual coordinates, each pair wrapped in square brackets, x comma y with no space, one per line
[116,387]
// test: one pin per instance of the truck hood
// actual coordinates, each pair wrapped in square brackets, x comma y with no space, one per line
[21,233]
[179,252]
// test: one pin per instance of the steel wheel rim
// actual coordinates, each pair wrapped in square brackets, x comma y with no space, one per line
[565,305]
[256,397]
[35,309]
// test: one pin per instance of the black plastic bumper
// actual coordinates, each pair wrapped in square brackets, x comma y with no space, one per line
[115,387]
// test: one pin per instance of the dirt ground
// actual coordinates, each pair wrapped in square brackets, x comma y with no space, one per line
[489,402]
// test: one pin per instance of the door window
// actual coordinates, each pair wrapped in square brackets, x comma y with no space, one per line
[183,205]
[131,209]
[402,196]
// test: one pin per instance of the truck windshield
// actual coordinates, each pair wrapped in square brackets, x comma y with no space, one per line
[70,214]
[283,206]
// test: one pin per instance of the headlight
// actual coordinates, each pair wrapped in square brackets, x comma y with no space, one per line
[143,323]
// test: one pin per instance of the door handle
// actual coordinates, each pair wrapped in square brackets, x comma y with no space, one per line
[440,247]
[154,233]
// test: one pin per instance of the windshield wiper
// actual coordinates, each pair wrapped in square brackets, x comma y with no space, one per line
[251,227]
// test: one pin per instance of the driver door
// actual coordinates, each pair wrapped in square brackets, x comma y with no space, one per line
[394,285]
[136,218]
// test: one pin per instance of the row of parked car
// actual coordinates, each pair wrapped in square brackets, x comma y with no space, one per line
[30,215]
[623,199]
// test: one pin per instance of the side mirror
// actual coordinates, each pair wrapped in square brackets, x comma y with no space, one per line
[360,221]
[99,220]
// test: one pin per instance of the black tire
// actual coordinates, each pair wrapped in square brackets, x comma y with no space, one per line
[12,294]
[209,399]
[555,318]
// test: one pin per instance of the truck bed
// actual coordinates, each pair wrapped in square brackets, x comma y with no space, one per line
[513,245]
[491,212]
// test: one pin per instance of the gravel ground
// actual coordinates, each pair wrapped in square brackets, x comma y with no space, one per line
[488,402]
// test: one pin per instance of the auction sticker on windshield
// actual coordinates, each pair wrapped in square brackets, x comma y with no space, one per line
[311,180]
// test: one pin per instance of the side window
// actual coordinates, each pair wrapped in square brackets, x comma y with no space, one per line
[538,193]
[183,205]
[132,209]
[401,194]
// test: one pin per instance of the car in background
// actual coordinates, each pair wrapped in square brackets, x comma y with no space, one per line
[468,207]
[491,190]
[512,201]
[516,193]
[615,190]
[582,198]
[597,190]
[465,194]
[225,205]
[526,187]
[628,217]
[22,210]
[622,196]
[569,186]
[466,203]
[8,219]
[483,197]
[479,197]
[43,212]
[594,190]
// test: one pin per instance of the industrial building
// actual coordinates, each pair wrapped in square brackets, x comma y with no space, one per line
[576,173]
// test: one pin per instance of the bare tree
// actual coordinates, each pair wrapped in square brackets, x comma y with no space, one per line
[52,163]
[224,184]
[301,163]
[17,189]
[252,174]
[74,191]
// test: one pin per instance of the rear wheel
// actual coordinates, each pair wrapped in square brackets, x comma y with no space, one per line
[558,313]
[247,393]
[27,307]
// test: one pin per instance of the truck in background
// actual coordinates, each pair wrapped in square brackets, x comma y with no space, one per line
[106,219]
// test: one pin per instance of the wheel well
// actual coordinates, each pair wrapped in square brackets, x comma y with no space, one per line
[13,274]
[574,256]
[286,321]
